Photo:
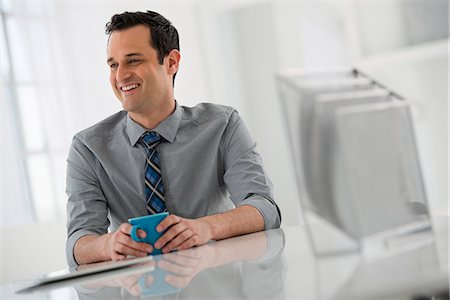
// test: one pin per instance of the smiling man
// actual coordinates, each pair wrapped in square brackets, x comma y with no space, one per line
[199,164]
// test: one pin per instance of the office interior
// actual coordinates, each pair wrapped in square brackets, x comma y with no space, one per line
[55,83]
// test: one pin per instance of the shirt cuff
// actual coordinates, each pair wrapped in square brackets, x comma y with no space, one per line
[275,245]
[71,241]
[267,208]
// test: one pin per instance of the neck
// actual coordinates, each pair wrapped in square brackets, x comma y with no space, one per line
[154,116]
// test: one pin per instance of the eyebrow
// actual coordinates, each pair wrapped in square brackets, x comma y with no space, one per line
[128,55]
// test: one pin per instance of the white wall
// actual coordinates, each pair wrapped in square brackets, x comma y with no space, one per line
[254,27]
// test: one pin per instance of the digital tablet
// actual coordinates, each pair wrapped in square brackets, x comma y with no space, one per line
[80,271]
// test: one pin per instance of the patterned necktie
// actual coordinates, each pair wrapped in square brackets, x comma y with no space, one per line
[154,188]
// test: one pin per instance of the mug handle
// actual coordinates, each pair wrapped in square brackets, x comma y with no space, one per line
[134,235]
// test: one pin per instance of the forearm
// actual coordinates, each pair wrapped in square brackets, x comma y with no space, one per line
[241,220]
[115,245]
[91,248]
[241,248]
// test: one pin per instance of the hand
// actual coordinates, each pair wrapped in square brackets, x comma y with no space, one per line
[183,266]
[128,280]
[119,244]
[182,233]
[131,284]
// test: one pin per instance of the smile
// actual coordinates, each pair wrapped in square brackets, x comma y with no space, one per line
[129,87]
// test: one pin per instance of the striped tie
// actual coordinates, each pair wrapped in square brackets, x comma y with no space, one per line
[154,188]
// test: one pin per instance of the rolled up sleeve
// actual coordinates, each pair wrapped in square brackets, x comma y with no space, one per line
[87,210]
[245,176]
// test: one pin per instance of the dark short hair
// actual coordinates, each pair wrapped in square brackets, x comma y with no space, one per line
[163,35]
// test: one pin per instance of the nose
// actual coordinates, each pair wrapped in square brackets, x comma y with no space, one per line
[122,73]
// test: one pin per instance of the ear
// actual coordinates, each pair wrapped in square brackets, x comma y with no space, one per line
[173,61]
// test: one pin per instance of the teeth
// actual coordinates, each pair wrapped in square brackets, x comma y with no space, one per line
[129,87]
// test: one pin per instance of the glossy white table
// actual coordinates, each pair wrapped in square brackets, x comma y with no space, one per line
[275,264]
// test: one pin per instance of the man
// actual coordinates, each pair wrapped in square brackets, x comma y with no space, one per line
[199,163]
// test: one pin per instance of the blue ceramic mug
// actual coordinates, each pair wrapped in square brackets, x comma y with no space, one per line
[148,224]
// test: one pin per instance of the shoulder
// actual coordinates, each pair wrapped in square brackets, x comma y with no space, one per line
[104,129]
[205,112]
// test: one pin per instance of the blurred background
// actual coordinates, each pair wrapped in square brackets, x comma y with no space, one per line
[54,83]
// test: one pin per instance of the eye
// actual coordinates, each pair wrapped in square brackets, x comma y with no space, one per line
[134,61]
[113,66]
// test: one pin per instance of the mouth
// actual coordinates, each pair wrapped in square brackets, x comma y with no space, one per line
[130,87]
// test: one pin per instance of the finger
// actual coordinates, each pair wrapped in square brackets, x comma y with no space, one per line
[192,253]
[193,241]
[117,256]
[134,290]
[129,281]
[122,245]
[124,250]
[172,232]
[137,289]
[141,234]
[125,242]
[170,220]
[175,269]
[180,260]
[178,281]
[149,280]
[125,228]
[180,239]
[125,245]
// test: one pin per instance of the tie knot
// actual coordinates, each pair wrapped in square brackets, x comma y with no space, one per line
[150,139]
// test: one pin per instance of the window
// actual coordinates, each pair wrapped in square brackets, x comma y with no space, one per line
[34,126]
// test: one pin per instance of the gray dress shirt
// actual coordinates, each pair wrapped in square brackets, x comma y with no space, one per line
[208,162]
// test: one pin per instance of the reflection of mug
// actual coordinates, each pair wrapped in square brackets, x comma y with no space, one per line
[159,286]
[148,224]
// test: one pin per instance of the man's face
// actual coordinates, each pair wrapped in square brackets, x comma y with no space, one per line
[138,80]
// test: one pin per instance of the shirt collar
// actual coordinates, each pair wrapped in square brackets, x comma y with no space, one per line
[167,128]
